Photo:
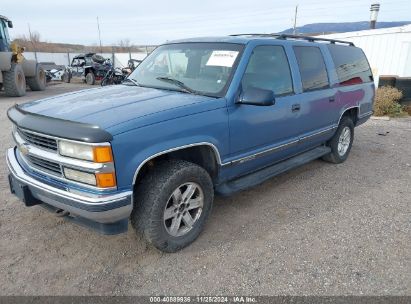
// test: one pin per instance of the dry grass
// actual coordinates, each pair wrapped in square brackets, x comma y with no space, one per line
[387,102]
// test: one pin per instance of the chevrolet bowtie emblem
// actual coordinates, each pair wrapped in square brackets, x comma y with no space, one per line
[24,149]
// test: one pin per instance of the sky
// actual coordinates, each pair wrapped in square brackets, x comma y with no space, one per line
[153,22]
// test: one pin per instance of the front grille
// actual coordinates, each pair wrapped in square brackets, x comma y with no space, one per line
[38,140]
[45,165]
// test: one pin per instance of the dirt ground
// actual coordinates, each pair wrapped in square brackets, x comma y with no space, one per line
[321,229]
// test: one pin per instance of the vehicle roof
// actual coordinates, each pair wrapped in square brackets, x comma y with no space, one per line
[216,39]
[246,38]
[84,55]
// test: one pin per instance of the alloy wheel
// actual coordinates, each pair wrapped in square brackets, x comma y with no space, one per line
[344,141]
[183,209]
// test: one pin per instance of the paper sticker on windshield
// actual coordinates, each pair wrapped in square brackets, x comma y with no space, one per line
[222,58]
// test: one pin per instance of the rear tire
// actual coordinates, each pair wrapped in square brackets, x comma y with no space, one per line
[90,78]
[14,81]
[38,82]
[341,142]
[105,82]
[163,200]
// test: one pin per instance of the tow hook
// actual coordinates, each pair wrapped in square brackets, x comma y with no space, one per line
[61,213]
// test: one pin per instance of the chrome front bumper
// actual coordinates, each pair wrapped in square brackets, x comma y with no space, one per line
[103,209]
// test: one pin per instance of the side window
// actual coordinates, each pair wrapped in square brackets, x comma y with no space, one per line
[312,68]
[351,64]
[268,69]
[2,31]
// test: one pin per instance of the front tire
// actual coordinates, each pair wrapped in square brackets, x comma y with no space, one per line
[14,81]
[172,204]
[341,142]
[66,77]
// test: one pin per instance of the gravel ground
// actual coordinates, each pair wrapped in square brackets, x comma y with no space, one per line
[321,229]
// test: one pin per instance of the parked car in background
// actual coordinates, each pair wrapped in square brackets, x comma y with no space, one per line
[115,76]
[118,75]
[132,64]
[89,67]
[196,117]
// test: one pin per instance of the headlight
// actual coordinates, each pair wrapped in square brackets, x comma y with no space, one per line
[98,154]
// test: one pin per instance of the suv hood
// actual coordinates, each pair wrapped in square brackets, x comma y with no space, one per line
[110,107]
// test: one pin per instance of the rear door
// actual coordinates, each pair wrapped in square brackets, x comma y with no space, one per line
[317,105]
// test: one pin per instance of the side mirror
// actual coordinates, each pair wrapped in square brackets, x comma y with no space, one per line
[10,24]
[257,97]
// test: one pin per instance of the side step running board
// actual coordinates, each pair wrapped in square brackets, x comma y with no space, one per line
[262,175]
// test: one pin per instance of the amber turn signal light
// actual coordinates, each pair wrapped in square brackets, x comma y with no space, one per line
[103,154]
[106,180]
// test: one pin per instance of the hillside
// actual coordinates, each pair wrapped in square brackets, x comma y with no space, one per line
[320,28]
[41,46]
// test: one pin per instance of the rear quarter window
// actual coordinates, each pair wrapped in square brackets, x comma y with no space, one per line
[351,64]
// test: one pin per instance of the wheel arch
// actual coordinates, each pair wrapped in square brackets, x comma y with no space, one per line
[88,69]
[204,154]
[351,112]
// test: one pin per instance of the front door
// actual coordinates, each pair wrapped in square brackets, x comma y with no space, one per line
[261,135]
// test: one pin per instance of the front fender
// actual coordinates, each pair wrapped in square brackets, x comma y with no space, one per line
[134,148]
[5,61]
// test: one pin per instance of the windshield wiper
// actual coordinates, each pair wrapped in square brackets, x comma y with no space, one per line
[131,81]
[178,83]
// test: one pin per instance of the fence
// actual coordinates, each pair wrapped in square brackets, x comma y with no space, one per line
[118,59]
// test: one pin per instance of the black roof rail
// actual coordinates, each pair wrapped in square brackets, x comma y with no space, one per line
[313,39]
[253,34]
[307,38]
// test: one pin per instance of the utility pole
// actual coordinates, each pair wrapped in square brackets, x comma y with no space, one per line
[295,20]
[32,43]
[375,8]
[99,35]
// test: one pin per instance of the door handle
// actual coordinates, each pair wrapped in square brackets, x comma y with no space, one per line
[295,107]
[331,99]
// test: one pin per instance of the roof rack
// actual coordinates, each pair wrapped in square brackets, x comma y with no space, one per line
[307,38]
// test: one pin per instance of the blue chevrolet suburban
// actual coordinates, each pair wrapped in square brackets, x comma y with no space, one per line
[197,117]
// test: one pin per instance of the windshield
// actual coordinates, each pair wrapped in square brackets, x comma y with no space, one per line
[199,68]
[4,34]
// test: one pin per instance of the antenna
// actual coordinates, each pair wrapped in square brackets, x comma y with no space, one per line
[295,19]
[99,35]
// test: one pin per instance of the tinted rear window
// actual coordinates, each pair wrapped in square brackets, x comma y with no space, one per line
[312,68]
[351,64]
